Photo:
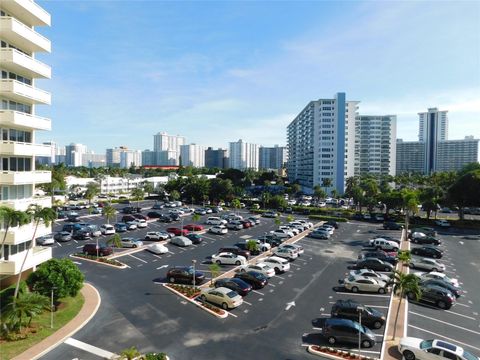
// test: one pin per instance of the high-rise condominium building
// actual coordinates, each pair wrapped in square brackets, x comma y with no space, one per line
[92,160]
[168,147]
[375,144]
[123,157]
[192,155]
[243,155]
[272,158]
[19,98]
[74,154]
[321,143]
[433,124]
[216,158]
[410,156]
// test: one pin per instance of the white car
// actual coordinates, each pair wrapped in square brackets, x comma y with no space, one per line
[181,241]
[226,298]
[434,349]
[255,219]
[131,243]
[131,225]
[107,229]
[371,274]
[328,229]
[307,223]
[263,246]
[45,240]
[141,223]
[260,267]
[437,276]
[235,225]
[277,263]
[362,283]
[427,264]
[157,235]
[285,253]
[158,249]
[214,220]
[228,259]
[293,230]
[299,225]
[218,229]
[294,247]
[94,230]
[281,234]
[442,223]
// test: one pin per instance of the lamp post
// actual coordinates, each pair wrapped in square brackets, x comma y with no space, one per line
[97,247]
[193,264]
[51,307]
[360,309]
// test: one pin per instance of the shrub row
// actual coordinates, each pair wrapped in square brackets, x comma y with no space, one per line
[324,211]
[188,291]
[100,259]
[327,218]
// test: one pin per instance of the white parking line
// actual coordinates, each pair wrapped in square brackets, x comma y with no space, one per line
[89,348]
[357,294]
[363,351]
[462,304]
[444,337]
[79,247]
[133,256]
[279,277]
[444,322]
[229,313]
[158,256]
[297,266]
[246,302]
[258,292]
[271,284]
[465,316]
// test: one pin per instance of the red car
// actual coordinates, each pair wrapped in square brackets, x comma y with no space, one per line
[246,224]
[193,227]
[177,231]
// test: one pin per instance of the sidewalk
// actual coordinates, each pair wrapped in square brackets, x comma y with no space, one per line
[89,308]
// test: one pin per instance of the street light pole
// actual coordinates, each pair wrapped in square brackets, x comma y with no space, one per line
[51,307]
[360,309]
[193,263]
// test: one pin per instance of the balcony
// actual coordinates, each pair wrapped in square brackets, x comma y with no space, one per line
[24,177]
[23,120]
[36,256]
[23,93]
[17,235]
[22,36]
[19,63]
[27,12]
[23,204]
[24,149]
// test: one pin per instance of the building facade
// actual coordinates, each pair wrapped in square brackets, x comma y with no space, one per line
[375,145]
[216,158]
[192,155]
[74,154]
[92,160]
[243,155]
[321,144]
[19,98]
[272,158]
[455,154]
[410,157]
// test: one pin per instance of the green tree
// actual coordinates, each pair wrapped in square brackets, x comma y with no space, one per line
[252,246]
[404,256]
[465,191]
[61,274]
[266,197]
[290,218]
[38,214]
[129,354]
[277,202]
[410,204]
[318,192]
[391,200]
[429,197]
[215,270]
[326,183]
[196,217]
[115,240]
[109,212]
[174,195]
[138,194]
[26,306]
[236,204]
[93,189]
[11,218]
[221,189]
[148,188]
[405,284]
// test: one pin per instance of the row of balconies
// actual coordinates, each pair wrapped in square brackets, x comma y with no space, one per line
[27,12]
[24,177]
[36,256]
[22,120]
[23,93]
[24,149]
[22,36]
[20,63]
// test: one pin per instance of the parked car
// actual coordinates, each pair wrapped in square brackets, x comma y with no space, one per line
[107,229]
[332,223]
[181,241]
[184,274]
[215,220]
[158,206]
[270,214]
[177,231]
[45,240]
[337,330]
[235,250]
[429,231]
[141,223]
[283,234]
[225,297]
[193,227]
[285,253]
[127,218]
[157,249]
[374,264]
[427,251]
[246,224]
[243,246]
[379,254]
[156,235]
[426,264]
[391,225]
[298,248]
[200,211]
[81,234]
[154,215]
[120,227]
[164,219]
[421,238]
[218,229]
[235,284]
[434,349]
[63,236]
[129,242]
[373,274]
[259,267]
[255,219]
[363,283]
[94,230]
[141,216]
[383,244]
[91,249]
[437,275]
[196,239]
[320,234]
[434,294]
[442,223]
[131,225]
[226,258]
[234,225]
[350,309]
[455,290]
[254,278]
[278,264]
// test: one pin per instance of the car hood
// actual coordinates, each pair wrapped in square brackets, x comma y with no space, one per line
[411,342]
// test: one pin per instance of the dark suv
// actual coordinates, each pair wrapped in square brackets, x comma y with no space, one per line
[391,225]
[337,330]
[235,250]
[436,295]
[349,309]
[91,249]
[184,274]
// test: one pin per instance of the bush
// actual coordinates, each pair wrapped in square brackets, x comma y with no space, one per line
[7,294]
[327,218]
[100,259]
[324,211]
[61,274]
[258,211]
[155,356]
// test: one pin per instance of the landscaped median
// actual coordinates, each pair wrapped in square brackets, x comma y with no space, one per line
[332,353]
[100,260]
[189,293]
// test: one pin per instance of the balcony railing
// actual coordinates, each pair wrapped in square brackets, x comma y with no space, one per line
[18,62]
[25,177]
[24,120]
[28,12]
[22,36]
[24,149]
[36,256]
[24,204]
[22,92]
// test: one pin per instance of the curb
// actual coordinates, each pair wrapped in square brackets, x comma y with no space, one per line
[67,335]
[123,266]
[311,350]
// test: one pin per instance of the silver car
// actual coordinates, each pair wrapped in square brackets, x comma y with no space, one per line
[181,241]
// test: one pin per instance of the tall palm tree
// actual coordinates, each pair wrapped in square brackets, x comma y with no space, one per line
[405,284]
[138,194]
[93,189]
[39,214]
[11,217]
[115,241]
[266,197]
[109,212]
[410,204]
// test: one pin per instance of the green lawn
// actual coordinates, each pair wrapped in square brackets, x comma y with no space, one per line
[67,311]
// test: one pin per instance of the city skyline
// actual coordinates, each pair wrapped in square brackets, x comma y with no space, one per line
[121,84]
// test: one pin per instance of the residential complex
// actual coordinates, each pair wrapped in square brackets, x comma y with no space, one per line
[243,155]
[166,150]
[216,158]
[19,97]
[123,157]
[410,156]
[272,158]
[74,154]
[192,155]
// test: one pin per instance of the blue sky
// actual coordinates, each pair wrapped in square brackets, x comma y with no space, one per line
[219,71]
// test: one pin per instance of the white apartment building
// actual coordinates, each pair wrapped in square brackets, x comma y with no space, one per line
[321,143]
[130,158]
[192,155]
[92,160]
[74,154]
[433,124]
[108,184]
[19,97]
[375,145]
[243,155]
[272,158]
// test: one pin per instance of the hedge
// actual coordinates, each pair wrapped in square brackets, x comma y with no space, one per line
[324,211]
[327,218]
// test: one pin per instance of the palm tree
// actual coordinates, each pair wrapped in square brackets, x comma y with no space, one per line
[129,354]
[115,241]
[148,188]
[138,194]
[27,305]
[410,204]
[39,214]
[405,284]
[266,197]
[326,183]
[214,270]
[11,218]
[93,189]
[196,217]
[404,256]
[236,204]
[109,212]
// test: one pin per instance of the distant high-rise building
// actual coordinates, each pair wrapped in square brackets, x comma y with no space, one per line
[455,154]
[243,155]
[216,158]
[375,144]
[272,158]
[92,160]
[410,156]
[74,154]
[433,128]
[123,157]
[160,158]
[192,155]
[168,147]
[321,143]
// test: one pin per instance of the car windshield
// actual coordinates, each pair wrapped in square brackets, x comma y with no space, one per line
[257,275]
[469,356]
[426,344]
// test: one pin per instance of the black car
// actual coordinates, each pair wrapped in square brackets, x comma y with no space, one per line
[196,239]
[184,274]
[357,217]
[350,309]
[337,330]
[436,295]
[73,218]
[332,223]
[426,240]
[455,290]
[164,219]
[254,278]
[234,284]
[174,217]
[235,250]
[379,254]
[81,234]
[391,225]
[127,218]
[154,215]
[374,264]
[243,246]
[269,239]
[427,251]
